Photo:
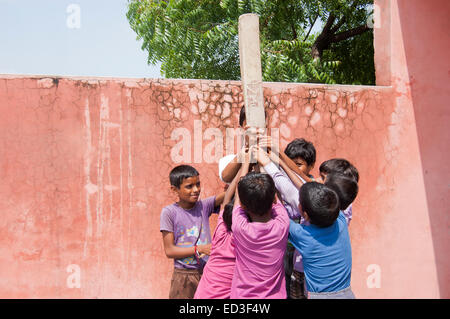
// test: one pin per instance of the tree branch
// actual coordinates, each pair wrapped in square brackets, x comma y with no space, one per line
[350,33]
[294,33]
[338,25]
[309,31]
[324,39]
[329,23]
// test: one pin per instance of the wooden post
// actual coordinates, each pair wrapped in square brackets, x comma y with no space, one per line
[250,58]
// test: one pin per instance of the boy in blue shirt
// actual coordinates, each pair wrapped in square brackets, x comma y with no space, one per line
[325,242]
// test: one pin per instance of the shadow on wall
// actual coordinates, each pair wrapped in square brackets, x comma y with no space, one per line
[425,28]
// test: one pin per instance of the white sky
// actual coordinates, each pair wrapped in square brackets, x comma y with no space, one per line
[35,38]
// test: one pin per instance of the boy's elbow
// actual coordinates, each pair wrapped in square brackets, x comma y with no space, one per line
[169,253]
[227,178]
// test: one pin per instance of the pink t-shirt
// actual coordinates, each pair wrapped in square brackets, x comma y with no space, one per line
[218,272]
[259,248]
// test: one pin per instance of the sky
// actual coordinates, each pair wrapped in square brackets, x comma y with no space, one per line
[70,38]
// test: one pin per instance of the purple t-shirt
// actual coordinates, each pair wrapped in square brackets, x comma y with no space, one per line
[185,224]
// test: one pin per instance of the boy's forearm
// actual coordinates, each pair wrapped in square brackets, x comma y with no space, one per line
[294,178]
[242,172]
[230,171]
[288,191]
[176,252]
[290,163]
[231,189]
[219,199]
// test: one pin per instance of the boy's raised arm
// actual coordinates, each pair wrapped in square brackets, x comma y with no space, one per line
[244,170]
[231,189]
[219,199]
[292,176]
[288,192]
[290,163]
[231,170]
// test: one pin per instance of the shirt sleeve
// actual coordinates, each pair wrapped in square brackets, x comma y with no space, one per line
[279,213]
[296,235]
[208,205]
[239,220]
[342,218]
[223,162]
[289,193]
[348,214]
[166,220]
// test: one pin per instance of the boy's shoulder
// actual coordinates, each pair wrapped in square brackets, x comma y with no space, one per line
[342,220]
[168,211]
[170,207]
[201,205]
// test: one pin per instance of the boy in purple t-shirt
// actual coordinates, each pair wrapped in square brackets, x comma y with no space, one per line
[185,230]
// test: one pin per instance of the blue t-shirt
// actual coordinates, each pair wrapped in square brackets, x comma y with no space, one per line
[327,254]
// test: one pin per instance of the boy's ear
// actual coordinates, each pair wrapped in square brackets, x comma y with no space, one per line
[306,217]
[174,189]
[302,212]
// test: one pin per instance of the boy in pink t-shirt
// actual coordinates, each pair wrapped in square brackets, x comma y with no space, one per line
[260,229]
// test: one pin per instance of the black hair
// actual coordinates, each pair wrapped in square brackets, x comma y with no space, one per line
[242,117]
[339,165]
[346,188]
[303,149]
[257,192]
[181,172]
[320,202]
[228,213]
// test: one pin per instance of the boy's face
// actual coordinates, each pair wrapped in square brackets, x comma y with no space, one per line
[302,165]
[189,191]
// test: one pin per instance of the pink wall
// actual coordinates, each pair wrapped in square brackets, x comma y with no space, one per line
[423,65]
[85,162]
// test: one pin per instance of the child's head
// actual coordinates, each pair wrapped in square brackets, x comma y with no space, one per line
[257,193]
[346,188]
[185,181]
[303,153]
[243,120]
[338,165]
[319,204]
[228,213]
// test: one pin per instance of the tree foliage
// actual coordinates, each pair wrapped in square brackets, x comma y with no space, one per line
[199,38]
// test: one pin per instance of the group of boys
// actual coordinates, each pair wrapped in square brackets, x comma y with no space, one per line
[287,235]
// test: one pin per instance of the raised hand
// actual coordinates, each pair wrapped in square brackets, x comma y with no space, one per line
[267,141]
[261,156]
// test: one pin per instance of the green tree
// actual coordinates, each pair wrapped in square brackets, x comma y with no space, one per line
[199,38]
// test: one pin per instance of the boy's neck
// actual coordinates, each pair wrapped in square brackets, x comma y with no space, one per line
[186,205]
[260,218]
